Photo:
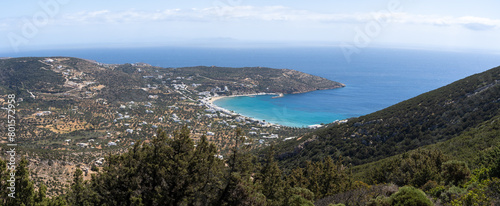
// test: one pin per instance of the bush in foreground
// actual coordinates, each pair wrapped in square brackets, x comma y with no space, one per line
[410,196]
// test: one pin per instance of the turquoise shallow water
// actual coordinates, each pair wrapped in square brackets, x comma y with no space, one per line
[283,111]
[375,78]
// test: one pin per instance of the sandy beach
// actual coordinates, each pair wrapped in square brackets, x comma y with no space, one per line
[213,99]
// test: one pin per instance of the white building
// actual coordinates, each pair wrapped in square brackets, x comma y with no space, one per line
[83,144]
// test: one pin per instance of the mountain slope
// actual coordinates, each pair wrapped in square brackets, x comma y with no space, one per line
[31,74]
[429,118]
[263,79]
[470,146]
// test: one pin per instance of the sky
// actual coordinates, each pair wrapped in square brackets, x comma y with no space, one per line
[54,24]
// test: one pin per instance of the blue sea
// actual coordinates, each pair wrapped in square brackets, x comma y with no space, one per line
[375,78]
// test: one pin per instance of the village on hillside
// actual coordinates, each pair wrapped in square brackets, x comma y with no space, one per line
[93,116]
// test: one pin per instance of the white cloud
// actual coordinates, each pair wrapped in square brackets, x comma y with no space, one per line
[478,23]
[280,13]
[131,16]
[269,14]
[469,22]
[3,26]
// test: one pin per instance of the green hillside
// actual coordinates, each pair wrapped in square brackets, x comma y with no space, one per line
[427,119]
[471,147]
[29,73]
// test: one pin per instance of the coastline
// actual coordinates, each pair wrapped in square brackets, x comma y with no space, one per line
[213,99]
[210,104]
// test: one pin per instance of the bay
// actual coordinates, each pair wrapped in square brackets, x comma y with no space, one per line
[375,78]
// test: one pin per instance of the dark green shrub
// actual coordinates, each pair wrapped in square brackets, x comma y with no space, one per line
[431,184]
[455,172]
[94,168]
[297,200]
[494,190]
[410,196]
[300,197]
[379,201]
[495,170]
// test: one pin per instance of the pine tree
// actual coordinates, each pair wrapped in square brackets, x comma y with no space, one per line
[57,201]
[3,181]
[238,188]
[25,192]
[313,173]
[78,194]
[169,171]
[299,197]
[330,184]
[270,179]
[111,183]
[41,195]
[176,174]
[296,178]
[206,168]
